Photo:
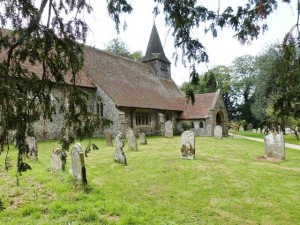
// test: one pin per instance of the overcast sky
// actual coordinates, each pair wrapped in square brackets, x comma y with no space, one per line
[222,50]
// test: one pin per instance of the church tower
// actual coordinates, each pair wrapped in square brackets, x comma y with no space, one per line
[155,56]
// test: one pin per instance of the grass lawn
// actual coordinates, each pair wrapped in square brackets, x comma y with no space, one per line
[225,184]
[291,139]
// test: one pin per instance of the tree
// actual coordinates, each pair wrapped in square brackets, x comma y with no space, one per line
[244,73]
[51,44]
[277,87]
[49,34]
[118,47]
[216,78]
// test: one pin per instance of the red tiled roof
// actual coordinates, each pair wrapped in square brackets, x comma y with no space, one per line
[130,83]
[82,78]
[203,104]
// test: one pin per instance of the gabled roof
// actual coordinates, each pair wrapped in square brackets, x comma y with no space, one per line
[201,108]
[154,48]
[130,83]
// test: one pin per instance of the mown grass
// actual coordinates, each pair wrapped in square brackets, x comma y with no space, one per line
[226,184]
[291,139]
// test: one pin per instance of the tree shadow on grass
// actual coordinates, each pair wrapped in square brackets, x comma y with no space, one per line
[1,205]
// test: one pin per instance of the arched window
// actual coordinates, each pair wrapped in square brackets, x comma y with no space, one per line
[100,108]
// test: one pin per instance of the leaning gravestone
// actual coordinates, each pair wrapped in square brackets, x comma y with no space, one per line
[218,133]
[131,140]
[77,167]
[32,147]
[142,137]
[274,146]
[169,129]
[108,138]
[188,145]
[119,155]
[58,160]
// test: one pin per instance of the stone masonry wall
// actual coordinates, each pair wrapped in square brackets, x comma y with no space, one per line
[45,129]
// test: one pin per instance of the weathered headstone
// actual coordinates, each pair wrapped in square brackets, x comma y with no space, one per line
[254,130]
[131,140]
[250,127]
[188,145]
[169,129]
[108,138]
[241,128]
[274,146]
[218,133]
[77,166]
[58,160]
[142,137]
[32,147]
[119,155]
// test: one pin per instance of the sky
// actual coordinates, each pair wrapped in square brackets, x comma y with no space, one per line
[221,50]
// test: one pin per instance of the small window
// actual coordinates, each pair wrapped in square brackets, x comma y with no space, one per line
[201,124]
[99,108]
[142,119]
[164,66]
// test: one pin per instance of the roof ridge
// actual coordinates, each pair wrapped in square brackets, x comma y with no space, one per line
[112,54]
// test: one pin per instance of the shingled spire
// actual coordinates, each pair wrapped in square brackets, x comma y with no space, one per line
[155,56]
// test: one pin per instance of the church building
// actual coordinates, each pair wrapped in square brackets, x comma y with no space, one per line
[143,96]
[140,95]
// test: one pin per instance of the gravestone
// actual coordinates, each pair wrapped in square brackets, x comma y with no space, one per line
[241,128]
[188,145]
[254,130]
[142,137]
[108,138]
[119,155]
[218,132]
[58,160]
[288,130]
[131,140]
[169,129]
[259,130]
[32,147]
[77,166]
[274,146]
[250,127]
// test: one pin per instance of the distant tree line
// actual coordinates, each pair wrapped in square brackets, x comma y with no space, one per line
[263,90]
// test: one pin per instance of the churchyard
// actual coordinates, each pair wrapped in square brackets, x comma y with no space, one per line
[291,139]
[227,183]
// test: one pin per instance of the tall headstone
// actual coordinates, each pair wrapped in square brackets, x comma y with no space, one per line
[77,166]
[169,129]
[274,146]
[142,137]
[32,147]
[131,140]
[108,138]
[58,160]
[119,155]
[218,132]
[188,145]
